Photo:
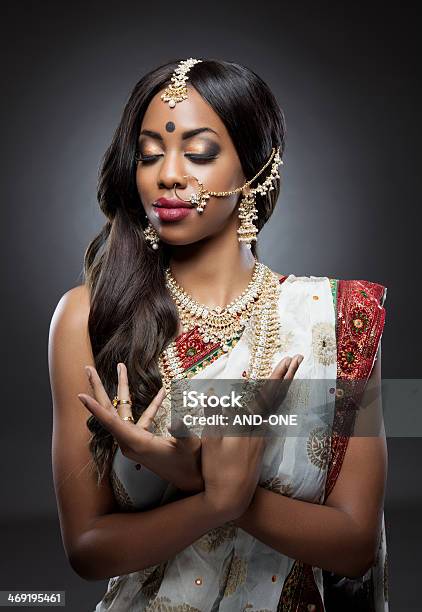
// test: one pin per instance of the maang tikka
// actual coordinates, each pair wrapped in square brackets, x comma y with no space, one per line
[247,232]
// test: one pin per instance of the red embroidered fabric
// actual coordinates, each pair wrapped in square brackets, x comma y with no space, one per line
[360,323]
[359,326]
[191,348]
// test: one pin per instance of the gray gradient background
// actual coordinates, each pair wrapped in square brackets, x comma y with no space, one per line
[349,208]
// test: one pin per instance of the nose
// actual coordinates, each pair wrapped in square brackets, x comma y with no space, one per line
[172,171]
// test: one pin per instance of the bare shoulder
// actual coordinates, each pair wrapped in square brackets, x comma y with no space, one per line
[79,294]
[73,307]
[68,333]
[76,300]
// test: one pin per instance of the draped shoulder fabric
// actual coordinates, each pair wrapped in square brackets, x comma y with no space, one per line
[337,326]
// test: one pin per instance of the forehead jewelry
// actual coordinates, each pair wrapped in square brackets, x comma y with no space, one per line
[177,90]
[199,198]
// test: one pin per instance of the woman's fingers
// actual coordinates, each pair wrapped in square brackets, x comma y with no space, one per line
[98,388]
[284,370]
[294,364]
[105,415]
[102,408]
[146,418]
[281,368]
[124,432]
[286,367]
[266,393]
[123,410]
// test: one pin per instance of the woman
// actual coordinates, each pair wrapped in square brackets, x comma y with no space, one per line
[213,522]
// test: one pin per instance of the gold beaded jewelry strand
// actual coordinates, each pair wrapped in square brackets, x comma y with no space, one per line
[217,324]
[263,339]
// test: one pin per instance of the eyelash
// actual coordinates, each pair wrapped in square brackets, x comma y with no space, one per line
[198,159]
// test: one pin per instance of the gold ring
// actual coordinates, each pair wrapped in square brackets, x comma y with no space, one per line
[116,401]
[128,418]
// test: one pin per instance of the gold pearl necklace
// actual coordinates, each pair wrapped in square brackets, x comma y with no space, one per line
[262,334]
[265,326]
[218,324]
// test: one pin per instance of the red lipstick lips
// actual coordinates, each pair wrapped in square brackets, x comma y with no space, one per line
[168,209]
[171,203]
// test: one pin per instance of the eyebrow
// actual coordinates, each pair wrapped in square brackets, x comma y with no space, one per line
[185,135]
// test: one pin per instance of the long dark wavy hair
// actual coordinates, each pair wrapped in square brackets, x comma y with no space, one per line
[132,315]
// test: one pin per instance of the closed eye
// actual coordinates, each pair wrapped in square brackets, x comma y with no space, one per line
[195,157]
[145,159]
[200,159]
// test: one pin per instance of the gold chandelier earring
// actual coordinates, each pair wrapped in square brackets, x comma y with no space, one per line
[151,235]
[248,212]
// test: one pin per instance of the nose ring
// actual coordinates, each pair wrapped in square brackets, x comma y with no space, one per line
[199,198]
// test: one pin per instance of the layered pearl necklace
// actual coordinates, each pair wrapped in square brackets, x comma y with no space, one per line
[218,324]
[256,309]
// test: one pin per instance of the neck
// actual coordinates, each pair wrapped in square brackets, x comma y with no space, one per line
[213,271]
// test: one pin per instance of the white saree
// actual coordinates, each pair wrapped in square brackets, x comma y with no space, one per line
[227,569]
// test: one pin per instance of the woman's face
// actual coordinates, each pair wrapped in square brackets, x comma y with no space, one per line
[167,152]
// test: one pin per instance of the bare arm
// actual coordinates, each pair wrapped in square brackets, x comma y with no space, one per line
[343,535]
[100,541]
[121,543]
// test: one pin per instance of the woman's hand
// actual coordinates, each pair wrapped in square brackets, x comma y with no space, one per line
[231,466]
[175,460]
